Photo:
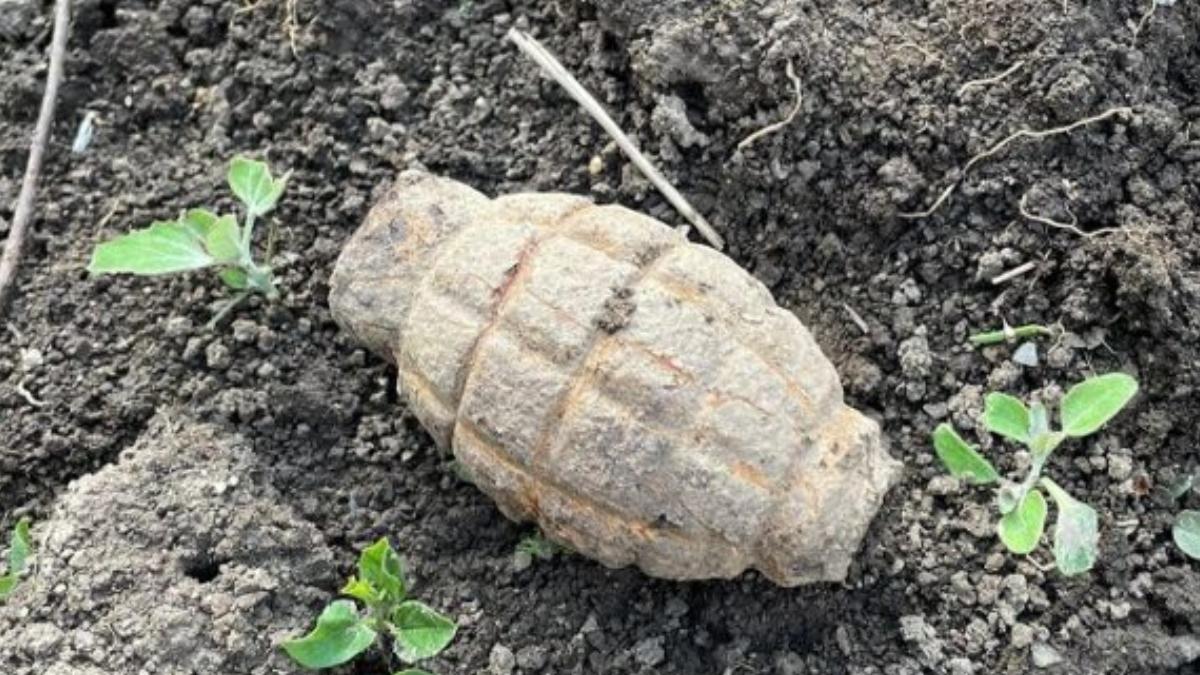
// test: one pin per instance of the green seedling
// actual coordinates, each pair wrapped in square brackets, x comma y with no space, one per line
[1186,533]
[1010,334]
[537,546]
[20,549]
[343,631]
[1085,408]
[1186,530]
[199,239]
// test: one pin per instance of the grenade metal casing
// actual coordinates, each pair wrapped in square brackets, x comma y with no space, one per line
[641,398]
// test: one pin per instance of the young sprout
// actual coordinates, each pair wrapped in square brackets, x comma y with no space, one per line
[537,546]
[1186,533]
[1085,408]
[199,238]
[20,549]
[343,632]
[1010,334]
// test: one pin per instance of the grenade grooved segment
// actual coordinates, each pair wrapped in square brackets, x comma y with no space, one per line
[640,397]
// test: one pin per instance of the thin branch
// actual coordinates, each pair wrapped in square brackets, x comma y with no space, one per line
[989,80]
[534,50]
[15,244]
[1023,133]
[776,126]
[1069,227]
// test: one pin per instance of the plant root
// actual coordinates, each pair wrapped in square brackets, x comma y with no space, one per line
[540,55]
[776,126]
[1142,23]
[290,24]
[1000,145]
[967,86]
[1072,226]
[15,244]
[29,398]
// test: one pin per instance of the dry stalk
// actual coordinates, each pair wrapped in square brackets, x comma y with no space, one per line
[1000,145]
[967,86]
[534,50]
[1013,273]
[857,319]
[776,126]
[15,244]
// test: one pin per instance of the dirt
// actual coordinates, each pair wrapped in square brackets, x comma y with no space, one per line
[815,210]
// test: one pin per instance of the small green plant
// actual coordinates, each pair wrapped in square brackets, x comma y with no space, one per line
[537,546]
[1085,408]
[1186,530]
[1010,334]
[343,631]
[200,239]
[20,549]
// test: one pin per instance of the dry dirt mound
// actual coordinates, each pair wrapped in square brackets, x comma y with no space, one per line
[173,560]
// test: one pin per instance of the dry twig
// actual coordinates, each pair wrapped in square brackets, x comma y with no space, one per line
[1013,273]
[1023,133]
[15,244]
[776,126]
[857,319]
[534,50]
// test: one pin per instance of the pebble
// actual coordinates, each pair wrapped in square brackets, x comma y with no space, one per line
[217,356]
[649,652]
[1120,467]
[1022,635]
[244,331]
[501,660]
[31,358]
[1044,656]
[532,657]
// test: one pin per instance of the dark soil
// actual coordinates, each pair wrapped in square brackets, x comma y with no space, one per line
[813,210]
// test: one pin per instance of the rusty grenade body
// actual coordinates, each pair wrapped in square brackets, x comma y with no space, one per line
[641,398]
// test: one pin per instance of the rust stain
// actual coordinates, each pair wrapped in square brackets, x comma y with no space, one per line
[752,475]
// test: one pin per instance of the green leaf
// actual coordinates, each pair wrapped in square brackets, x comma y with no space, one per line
[1021,528]
[379,566]
[1186,533]
[8,584]
[1091,403]
[360,590]
[251,181]
[340,635]
[161,248]
[1007,416]
[1039,420]
[1076,532]
[199,221]
[1042,445]
[235,278]
[223,239]
[420,631]
[20,547]
[961,460]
